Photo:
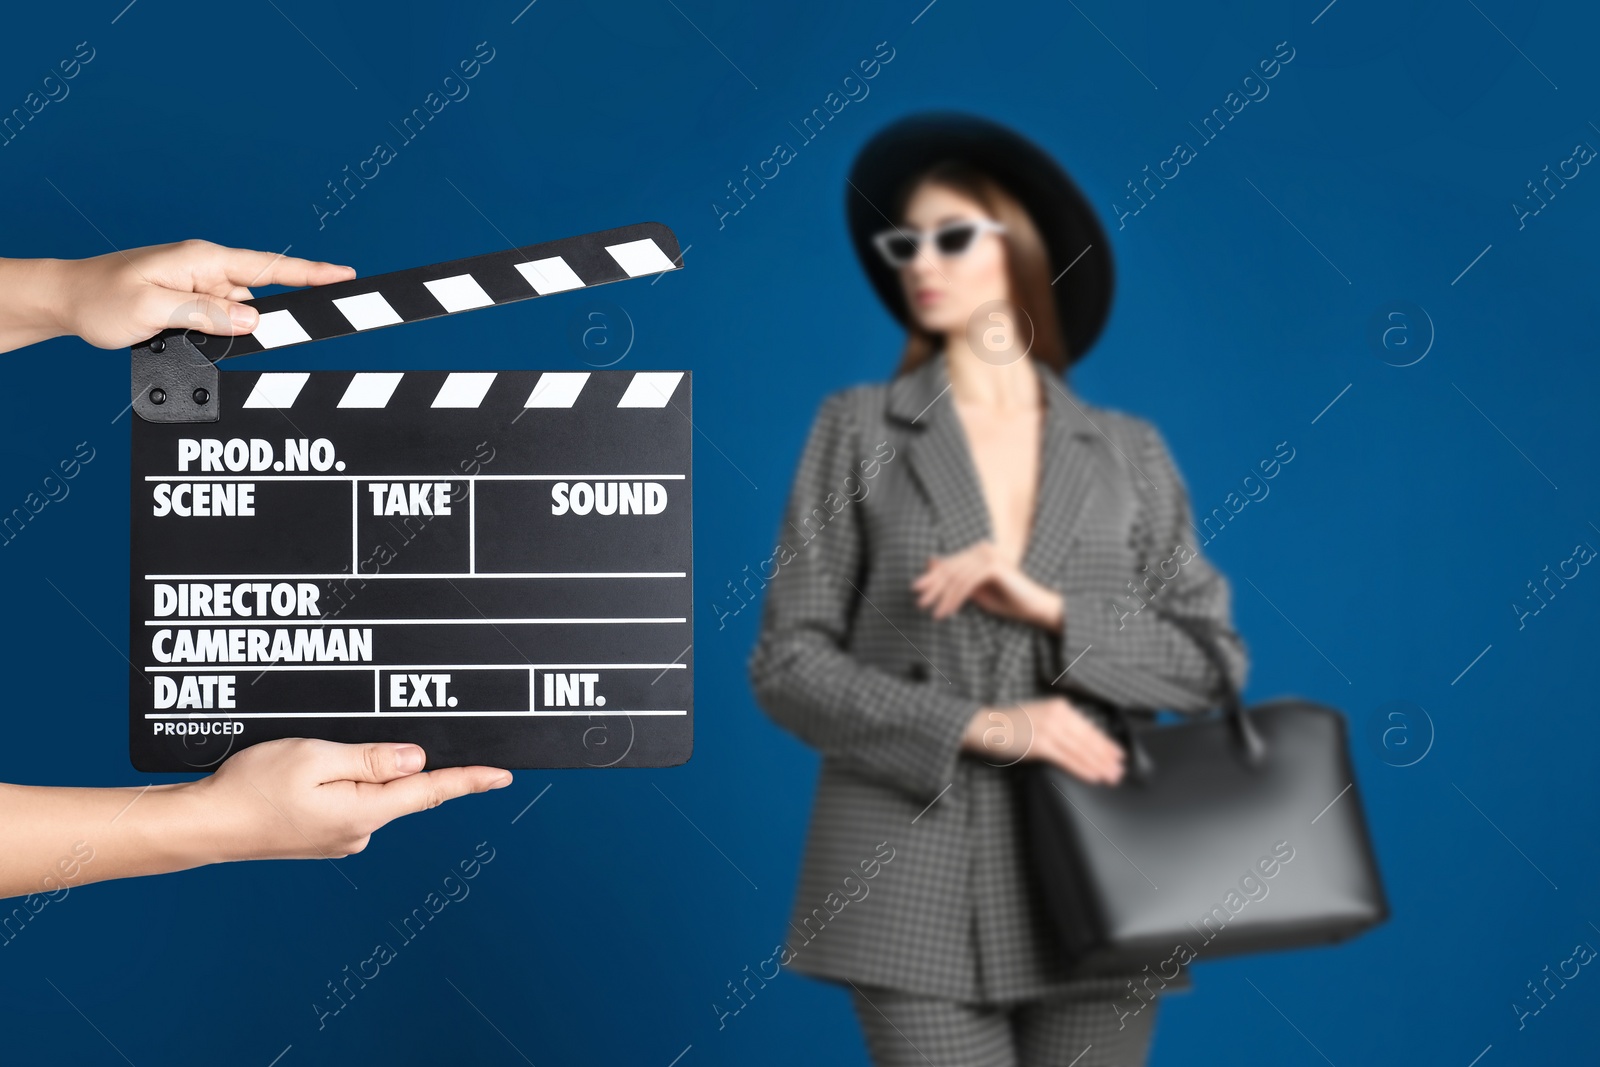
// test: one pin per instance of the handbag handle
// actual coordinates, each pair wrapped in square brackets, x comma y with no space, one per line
[1246,738]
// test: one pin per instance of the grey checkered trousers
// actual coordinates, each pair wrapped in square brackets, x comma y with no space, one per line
[909,1030]
[849,665]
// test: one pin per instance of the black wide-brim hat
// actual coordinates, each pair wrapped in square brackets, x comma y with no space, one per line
[1070,229]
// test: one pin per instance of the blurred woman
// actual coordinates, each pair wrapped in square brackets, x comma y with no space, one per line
[975,556]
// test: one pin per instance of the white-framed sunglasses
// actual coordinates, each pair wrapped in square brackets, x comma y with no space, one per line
[899,246]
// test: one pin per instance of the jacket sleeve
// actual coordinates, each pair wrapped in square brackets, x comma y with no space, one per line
[903,733]
[1123,648]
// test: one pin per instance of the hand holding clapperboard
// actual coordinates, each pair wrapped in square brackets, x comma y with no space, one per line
[495,566]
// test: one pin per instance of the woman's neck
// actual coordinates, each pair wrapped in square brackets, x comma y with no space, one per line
[976,382]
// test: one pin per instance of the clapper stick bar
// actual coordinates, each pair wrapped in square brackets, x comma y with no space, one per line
[175,378]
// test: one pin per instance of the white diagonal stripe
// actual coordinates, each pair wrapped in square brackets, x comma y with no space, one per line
[650,389]
[550,275]
[640,257]
[464,389]
[557,389]
[371,390]
[367,311]
[276,389]
[461,293]
[277,328]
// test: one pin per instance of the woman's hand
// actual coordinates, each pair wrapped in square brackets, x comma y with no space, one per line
[294,798]
[992,580]
[1050,729]
[299,798]
[122,298]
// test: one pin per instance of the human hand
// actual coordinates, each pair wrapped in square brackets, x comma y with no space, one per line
[992,580]
[122,298]
[1050,729]
[299,798]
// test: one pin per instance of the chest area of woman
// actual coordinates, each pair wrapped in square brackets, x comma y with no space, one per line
[1004,449]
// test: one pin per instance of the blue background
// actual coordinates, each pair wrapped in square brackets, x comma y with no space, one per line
[1382,164]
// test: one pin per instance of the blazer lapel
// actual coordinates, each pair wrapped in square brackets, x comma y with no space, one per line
[1071,467]
[938,455]
[1071,473]
[1072,463]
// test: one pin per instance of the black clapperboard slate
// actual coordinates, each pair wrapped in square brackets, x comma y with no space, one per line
[494,565]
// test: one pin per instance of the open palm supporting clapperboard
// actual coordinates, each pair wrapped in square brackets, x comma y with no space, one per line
[352,556]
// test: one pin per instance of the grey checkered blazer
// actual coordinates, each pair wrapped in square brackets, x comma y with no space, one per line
[849,664]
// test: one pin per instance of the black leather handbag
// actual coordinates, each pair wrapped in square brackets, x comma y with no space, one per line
[1228,833]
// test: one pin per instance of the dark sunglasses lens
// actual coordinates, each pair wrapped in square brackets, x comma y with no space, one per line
[954,241]
[901,249]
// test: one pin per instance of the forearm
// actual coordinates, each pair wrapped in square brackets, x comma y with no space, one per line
[1119,642]
[51,838]
[31,301]
[1050,610]
[1136,657]
[907,734]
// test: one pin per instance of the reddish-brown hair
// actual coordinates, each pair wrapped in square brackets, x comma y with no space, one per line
[1027,263]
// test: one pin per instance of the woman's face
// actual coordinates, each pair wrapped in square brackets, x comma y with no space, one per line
[944,291]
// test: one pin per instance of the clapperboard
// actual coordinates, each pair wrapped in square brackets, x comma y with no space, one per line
[494,565]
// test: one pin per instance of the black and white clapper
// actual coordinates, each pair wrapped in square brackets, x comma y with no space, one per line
[494,565]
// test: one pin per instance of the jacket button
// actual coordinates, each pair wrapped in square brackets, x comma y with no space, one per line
[919,672]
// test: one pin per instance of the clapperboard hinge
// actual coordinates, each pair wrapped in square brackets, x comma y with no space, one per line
[174,374]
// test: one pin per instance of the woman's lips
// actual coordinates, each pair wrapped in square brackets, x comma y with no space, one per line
[924,297]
